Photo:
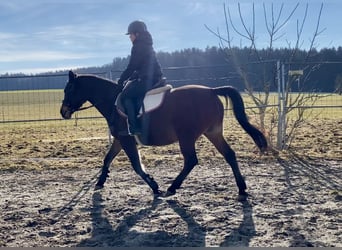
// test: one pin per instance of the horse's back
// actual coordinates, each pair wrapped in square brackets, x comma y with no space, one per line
[198,107]
[187,111]
[197,98]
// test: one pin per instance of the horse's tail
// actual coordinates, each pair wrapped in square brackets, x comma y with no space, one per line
[239,112]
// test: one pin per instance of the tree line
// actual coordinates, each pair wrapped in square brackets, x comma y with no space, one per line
[215,66]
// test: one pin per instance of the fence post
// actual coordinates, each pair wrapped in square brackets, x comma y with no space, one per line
[281,135]
[284,111]
[110,138]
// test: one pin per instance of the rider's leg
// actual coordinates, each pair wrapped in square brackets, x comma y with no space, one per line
[133,124]
[130,96]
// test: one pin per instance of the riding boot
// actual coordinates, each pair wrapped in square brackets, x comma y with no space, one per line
[133,123]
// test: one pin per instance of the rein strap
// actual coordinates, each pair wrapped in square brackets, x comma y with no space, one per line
[84,108]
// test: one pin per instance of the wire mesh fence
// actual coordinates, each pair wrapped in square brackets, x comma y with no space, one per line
[37,99]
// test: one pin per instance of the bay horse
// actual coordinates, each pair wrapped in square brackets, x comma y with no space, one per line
[186,113]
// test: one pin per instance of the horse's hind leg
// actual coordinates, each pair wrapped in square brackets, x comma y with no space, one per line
[222,146]
[190,161]
[113,151]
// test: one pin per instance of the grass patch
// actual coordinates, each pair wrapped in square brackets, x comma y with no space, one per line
[31,105]
[84,142]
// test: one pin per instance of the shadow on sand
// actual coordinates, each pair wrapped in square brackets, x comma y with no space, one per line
[241,236]
[124,235]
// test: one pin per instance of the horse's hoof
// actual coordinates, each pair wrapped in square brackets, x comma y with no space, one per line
[242,197]
[169,193]
[98,187]
[157,194]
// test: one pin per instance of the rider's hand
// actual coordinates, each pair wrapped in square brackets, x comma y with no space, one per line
[121,83]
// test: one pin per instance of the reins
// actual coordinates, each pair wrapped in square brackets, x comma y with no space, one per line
[84,108]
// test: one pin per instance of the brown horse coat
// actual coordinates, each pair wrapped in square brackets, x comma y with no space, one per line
[186,113]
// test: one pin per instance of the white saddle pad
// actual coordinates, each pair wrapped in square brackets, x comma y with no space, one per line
[154,98]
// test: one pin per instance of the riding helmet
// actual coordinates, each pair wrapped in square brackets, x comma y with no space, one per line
[136,27]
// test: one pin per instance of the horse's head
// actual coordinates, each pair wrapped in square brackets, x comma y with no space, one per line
[74,97]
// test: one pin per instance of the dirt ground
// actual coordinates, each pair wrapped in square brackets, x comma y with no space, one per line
[48,198]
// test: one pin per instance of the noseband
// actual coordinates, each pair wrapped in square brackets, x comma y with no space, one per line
[79,109]
[84,108]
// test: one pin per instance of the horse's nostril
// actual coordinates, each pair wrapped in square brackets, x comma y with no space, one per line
[65,112]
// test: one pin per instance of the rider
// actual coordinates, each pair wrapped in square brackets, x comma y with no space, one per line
[142,73]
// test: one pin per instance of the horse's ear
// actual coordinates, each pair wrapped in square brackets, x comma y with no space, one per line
[72,75]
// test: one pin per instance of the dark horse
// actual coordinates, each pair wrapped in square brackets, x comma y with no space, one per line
[186,113]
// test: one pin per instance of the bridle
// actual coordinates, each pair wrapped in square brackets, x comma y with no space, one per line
[84,108]
[78,109]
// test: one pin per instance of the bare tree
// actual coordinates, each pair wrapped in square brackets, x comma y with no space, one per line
[275,23]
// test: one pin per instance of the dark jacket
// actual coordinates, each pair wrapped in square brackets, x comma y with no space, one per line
[143,63]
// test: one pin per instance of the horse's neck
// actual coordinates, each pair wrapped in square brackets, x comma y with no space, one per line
[104,103]
[102,96]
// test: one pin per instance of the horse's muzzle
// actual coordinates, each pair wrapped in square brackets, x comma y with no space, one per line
[66,112]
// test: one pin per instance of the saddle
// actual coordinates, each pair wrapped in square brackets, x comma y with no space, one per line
[152,100]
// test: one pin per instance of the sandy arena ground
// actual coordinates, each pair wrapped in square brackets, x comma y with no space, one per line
[48,198]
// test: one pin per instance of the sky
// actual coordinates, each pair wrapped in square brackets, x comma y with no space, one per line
[48,35]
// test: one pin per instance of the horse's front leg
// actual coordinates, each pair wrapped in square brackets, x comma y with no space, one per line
[190,161]
[111,154]
[129,145]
